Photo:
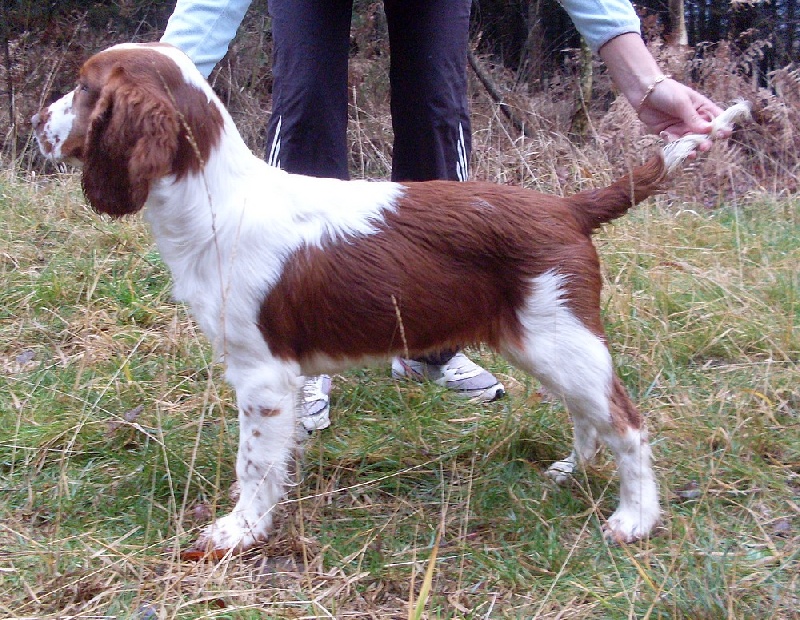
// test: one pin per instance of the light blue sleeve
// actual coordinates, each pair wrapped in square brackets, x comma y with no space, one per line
[599,21]
[203,29]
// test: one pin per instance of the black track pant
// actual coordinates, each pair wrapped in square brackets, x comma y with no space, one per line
[428,40]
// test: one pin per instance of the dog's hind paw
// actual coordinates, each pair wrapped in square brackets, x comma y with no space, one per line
[627,526]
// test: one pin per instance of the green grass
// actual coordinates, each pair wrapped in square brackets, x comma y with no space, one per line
[117,440]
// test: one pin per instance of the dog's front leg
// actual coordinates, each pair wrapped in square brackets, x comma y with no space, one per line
[266,399]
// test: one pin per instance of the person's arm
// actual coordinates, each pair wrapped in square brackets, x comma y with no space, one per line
[599,21]
[664,105]
[203,29]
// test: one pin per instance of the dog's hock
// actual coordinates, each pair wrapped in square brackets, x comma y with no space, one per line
[675,153]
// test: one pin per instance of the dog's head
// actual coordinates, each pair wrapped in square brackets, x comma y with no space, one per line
[140,112]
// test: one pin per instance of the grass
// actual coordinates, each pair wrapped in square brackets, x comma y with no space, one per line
[117,439]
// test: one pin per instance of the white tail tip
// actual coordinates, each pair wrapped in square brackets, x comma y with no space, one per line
[675,153]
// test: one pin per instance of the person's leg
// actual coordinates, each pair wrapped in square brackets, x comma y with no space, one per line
[307,133]
[428,41]
[428,73]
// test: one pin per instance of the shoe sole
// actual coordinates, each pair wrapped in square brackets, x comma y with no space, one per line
[490,394]
[496,392]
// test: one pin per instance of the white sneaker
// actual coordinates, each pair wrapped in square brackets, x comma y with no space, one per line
[315,407]
[460,374]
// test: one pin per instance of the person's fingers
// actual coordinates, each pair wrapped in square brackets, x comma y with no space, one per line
[678,110]
[671,134]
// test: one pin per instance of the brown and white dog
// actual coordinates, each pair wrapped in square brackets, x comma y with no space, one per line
[290,275]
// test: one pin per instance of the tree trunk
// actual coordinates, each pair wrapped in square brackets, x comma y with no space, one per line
[12,113]
[532,65]
[579,127]
[678,35]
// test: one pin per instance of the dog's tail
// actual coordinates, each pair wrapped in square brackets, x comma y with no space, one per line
[596,207]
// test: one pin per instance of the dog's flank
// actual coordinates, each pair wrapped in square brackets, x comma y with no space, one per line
[290,275]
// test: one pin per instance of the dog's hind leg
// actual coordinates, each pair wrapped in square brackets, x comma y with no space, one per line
[638,510]
[573,362]
[266,396]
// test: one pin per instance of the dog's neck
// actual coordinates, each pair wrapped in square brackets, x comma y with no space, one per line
[196,219]
[180,207]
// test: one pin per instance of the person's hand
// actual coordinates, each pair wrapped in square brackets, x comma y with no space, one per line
[673,110]
[665,106]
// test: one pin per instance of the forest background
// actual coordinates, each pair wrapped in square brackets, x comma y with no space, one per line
[532,45]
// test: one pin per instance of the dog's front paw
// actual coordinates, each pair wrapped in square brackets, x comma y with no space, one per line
[627,526]
[229,534]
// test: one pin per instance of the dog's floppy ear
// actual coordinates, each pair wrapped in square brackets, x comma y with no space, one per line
[131,141]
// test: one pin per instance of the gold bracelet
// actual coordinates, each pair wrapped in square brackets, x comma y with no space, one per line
[650,90]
